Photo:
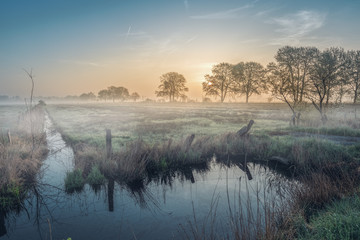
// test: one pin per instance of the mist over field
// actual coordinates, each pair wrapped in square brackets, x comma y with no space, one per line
[235,119]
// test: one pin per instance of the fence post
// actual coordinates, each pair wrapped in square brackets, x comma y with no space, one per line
[108,144]
[9,136]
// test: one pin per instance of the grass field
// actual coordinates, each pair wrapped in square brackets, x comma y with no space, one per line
[160,122]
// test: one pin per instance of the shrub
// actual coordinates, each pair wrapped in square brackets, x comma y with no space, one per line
[11,196]
[341,220]
[95,177]
[74,181]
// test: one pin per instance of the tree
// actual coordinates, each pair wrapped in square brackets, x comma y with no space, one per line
[282,89]
[249,79]
[134,96]
[296,62]
[104,94]
[353,73]
[324,77]
[87,96]
[120,93]
[221,82]
[172,86]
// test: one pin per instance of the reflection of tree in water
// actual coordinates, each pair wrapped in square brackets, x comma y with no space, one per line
[184,173]
[139,189]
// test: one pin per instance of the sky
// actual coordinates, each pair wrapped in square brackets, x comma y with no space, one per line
[78,46]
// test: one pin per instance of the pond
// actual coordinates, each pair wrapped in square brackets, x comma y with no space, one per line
[170,206]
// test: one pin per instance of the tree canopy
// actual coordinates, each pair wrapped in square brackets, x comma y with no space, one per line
[221,82]
[172,86]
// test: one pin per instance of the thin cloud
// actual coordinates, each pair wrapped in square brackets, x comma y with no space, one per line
[191,39]
[264,12]
[228,14]
[84,63]
[298,26]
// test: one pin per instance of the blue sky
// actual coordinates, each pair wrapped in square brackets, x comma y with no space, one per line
[81,46]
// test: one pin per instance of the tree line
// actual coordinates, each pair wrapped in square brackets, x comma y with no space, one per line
[298,75]
[112,93]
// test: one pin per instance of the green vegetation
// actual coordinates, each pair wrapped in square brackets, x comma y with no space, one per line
[95,177]
[11,196]
[338,220]
[74,181]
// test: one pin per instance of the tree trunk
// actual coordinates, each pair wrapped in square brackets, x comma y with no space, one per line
[355,95]
[247,98]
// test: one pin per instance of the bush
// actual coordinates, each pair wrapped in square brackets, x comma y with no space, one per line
[74,181]
[95,177]
[11,196]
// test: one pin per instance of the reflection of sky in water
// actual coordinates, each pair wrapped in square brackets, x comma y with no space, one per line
[155,215]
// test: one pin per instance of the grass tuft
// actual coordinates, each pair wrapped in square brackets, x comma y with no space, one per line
[74,181]
[95,177]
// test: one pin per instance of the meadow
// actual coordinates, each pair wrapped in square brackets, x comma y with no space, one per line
[154,123]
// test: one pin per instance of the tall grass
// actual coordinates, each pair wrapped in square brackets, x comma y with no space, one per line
[21,159]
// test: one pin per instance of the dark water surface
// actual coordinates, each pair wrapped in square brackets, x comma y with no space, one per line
[159,208]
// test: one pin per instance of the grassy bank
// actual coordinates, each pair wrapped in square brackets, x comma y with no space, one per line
[22,150]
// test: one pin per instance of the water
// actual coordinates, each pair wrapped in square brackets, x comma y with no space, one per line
[158,208]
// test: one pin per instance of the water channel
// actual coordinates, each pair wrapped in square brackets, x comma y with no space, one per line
[160,208]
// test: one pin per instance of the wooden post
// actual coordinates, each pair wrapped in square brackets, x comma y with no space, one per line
[108,144]
[9,136]
[244,130]
[188,141]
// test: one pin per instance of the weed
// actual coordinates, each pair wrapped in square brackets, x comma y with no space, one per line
[74,181]
[95,177]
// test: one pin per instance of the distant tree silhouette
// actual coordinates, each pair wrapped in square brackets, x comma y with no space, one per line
[134,96]
[87,96]
[221,82]
[118,93]
[104,94]
[4,97]
[172,86]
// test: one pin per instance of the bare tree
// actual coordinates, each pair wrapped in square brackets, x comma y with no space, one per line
[324,75]
[281,87]
[31,76]
[296,62]
[249,79]
[172,85]
[221,82]
[353,73]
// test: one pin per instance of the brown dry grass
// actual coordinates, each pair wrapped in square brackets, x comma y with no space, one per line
[21,159]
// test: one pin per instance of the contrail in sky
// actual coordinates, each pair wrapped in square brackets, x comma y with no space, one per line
[128,32]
